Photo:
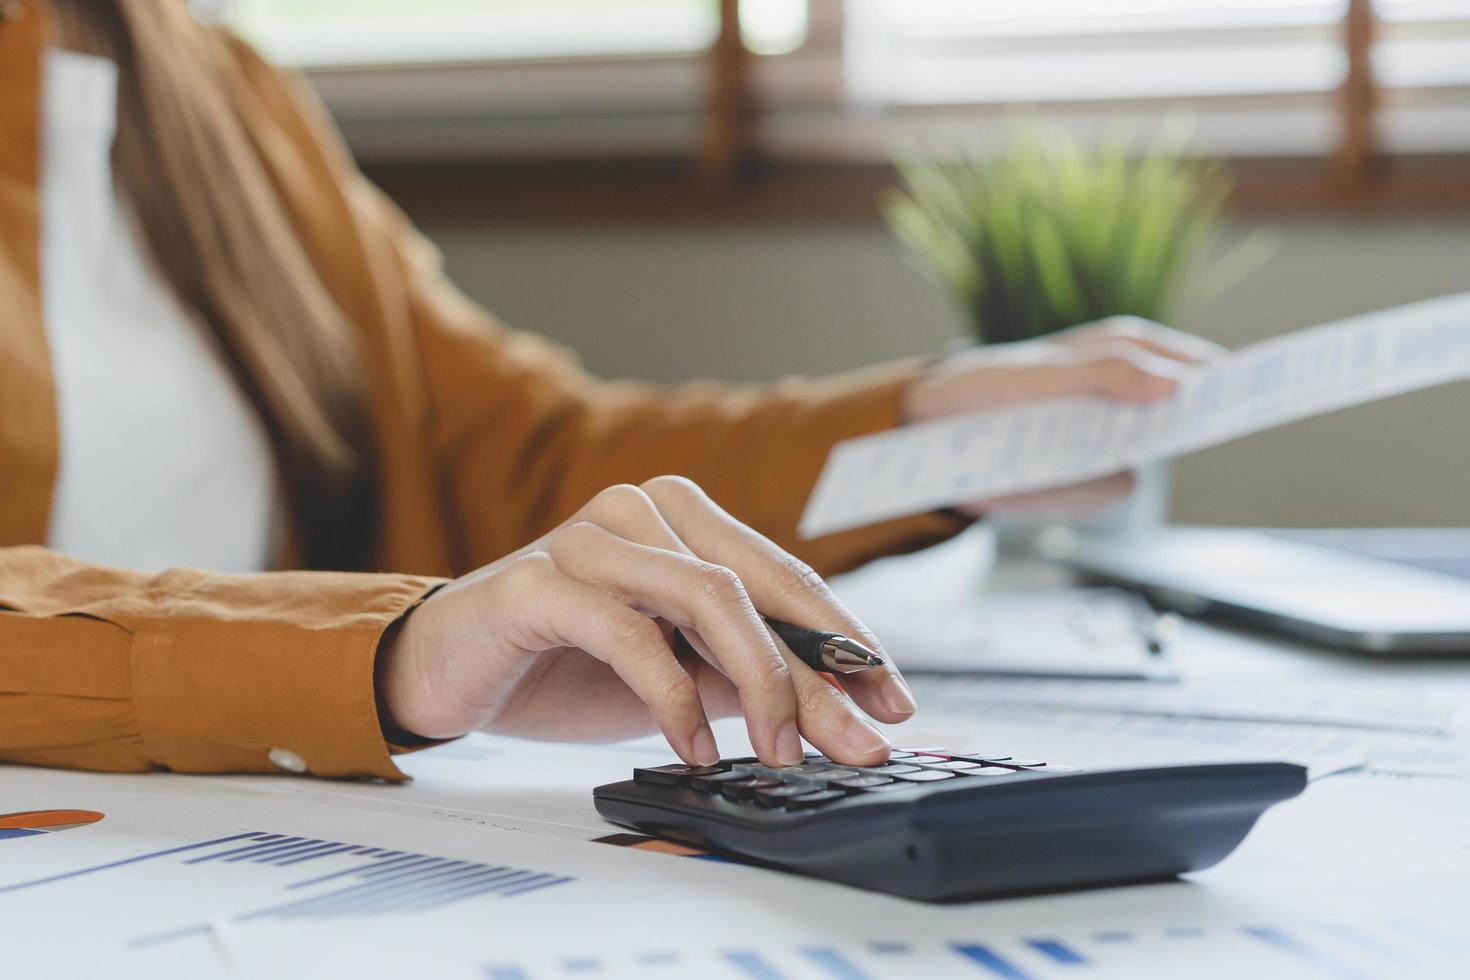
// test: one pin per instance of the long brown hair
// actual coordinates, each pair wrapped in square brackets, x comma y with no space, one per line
[222,240]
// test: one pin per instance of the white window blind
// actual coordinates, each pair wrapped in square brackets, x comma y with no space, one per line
[486,79]
[851,79]
[336,33]
[1259,75]
[1422,64]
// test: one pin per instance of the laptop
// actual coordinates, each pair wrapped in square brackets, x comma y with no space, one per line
[1387,591]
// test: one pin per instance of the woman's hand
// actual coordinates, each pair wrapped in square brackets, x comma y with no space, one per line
[574,637]
[1122,358]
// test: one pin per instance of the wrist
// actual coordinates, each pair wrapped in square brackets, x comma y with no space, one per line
[398,682]
[383,666]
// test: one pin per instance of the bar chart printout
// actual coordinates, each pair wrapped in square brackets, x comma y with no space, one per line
[312,878]
[1278,951]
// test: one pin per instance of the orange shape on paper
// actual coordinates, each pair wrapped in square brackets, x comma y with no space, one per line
[48,819]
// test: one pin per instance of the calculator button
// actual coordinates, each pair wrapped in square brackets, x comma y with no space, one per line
[900,755]
[923,776]
[926,749]
[675,775]
[981,756]
[927,760]
[710,783]
[813,775]
[862,782]
[1022,763]
[778,795]
[809,768]
[890,770]
[743,789]
[808,800]
[956,764]
[991,771]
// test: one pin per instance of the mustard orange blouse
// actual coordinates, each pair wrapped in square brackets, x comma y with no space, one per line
[488,438]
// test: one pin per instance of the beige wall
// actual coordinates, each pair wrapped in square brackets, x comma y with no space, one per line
[752,303]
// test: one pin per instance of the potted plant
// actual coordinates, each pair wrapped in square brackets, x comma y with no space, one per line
[1047,234]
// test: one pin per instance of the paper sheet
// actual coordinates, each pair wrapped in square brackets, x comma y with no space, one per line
[989,454]
[1340,704]
[1098,739]
[1071,633]
[154,890]
[485,867]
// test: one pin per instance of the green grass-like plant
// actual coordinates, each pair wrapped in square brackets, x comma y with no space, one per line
[1047,234]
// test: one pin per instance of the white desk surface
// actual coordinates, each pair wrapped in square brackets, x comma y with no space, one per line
[1363,876]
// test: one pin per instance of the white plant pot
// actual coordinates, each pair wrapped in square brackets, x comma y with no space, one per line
[1147,506]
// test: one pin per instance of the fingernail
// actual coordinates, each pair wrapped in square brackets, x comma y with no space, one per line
[864,739]
[706,752]
[896,696]
[788,746]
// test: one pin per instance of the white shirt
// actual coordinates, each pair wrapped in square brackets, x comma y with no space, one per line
[163,461]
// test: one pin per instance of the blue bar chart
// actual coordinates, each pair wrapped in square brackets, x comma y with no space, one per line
[1310,949]
[325,879]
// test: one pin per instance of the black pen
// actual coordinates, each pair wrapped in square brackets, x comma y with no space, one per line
[830,653]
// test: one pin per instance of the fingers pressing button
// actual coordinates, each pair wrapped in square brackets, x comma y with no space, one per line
[287,760]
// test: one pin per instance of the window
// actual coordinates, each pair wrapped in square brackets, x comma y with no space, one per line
[1421,61]
[411,80]
[1072,50]
[848,80]
[337,33]
[1261,76]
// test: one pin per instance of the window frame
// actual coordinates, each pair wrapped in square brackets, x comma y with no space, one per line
[726,119]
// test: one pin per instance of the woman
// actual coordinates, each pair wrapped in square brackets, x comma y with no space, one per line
[223,348]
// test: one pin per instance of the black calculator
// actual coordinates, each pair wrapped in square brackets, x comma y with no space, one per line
[940,824]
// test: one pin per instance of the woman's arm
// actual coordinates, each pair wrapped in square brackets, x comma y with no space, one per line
[191,671]
[571,637]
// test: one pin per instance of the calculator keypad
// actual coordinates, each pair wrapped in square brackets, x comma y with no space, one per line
[817,782]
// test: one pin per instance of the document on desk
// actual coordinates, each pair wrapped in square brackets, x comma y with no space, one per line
[204,879]
[1094,724]
[989,454]
[1246,698]
[1091,633]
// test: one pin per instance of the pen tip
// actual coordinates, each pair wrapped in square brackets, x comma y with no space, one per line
[849,655]
[854,647]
